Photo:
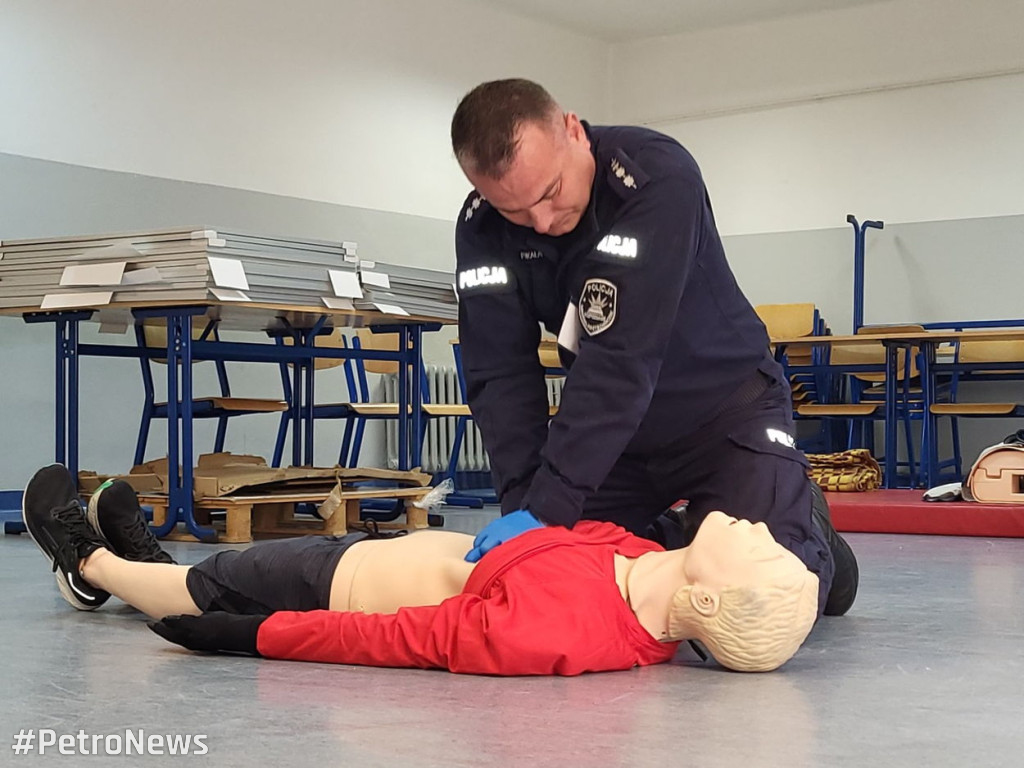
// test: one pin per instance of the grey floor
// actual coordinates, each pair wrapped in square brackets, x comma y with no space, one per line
[927,670]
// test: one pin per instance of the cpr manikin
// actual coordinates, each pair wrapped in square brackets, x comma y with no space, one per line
[552,600]
[735,589]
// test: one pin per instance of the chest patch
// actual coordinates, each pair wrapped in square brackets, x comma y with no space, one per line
[597,305]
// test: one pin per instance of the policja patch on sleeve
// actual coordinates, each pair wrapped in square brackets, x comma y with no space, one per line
[597,305]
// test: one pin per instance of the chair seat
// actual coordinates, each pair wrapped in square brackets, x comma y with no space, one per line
[879,391]
[207,405]
[431,409]
[446,409]
[977,409]
[845,410]
[376,409]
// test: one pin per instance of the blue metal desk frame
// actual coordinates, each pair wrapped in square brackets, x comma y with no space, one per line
[893,344]
[928,342]
[182,350]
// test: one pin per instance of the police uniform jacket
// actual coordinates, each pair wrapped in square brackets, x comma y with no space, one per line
[663,334]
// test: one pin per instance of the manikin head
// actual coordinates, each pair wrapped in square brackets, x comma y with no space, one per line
[527,157]
[749,600]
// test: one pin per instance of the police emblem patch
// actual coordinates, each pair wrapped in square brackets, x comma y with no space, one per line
[597,305]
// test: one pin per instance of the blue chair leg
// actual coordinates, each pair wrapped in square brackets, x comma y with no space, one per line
[282,438]
[346,443]
[456,499]
[143,439]
[357,443]
[958,459]
[460,435]
[908,432]
[222,434]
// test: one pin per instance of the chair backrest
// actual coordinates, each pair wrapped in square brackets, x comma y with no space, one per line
[384,342]
[999,351]
[333,340]
[785,321]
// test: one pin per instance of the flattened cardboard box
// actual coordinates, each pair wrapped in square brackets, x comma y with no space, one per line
[142,482]
[225,474]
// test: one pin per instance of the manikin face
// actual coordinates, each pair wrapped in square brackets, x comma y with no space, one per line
[547,186]
[730,552]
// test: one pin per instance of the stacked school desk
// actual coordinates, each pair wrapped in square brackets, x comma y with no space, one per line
[297,287]
[183,265]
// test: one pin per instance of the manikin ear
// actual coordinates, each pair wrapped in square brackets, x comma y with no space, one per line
[704,601]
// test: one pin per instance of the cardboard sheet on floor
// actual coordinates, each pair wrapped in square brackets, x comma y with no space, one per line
[225,474]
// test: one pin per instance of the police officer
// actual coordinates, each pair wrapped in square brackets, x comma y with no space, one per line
[604,235]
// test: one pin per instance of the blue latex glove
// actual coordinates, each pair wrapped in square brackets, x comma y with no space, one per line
[500,531]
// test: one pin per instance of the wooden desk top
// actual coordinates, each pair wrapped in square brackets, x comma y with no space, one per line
[937,337]
[246,315]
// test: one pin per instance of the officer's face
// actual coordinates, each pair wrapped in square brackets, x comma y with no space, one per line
[547,187]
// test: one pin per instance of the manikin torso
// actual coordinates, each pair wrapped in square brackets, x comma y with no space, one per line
[383,575]
[427,567]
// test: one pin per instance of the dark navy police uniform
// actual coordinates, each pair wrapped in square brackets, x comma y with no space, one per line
[671,389]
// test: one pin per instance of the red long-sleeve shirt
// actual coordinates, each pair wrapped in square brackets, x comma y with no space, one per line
[543,603]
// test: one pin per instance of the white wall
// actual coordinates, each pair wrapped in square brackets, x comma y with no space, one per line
[343,101]
[909,110]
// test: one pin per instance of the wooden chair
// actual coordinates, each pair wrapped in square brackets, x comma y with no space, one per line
[547,354]
[787,321]
[340,410]
[365,408]
[807,384]
[153,335]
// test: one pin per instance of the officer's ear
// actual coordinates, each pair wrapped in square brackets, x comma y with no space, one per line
[573,127]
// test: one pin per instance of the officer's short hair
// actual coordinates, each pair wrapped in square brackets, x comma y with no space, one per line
[487,121]
[756,627]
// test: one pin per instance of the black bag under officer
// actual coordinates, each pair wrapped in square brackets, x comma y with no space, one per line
[605,236]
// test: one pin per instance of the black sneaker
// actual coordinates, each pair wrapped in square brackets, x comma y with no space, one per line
[54,519]
[847,575]
[114,514]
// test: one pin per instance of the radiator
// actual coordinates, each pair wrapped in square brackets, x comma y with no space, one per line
[443,387]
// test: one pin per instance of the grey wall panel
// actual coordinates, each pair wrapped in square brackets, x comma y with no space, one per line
[965,269]
[928,271]
[937,271]
[40,198]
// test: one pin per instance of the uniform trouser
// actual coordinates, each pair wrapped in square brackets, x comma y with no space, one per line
[740,463]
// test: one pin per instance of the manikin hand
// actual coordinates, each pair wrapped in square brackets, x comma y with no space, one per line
[501,530]
[216,632]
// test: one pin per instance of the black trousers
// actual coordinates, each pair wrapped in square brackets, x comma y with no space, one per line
[741,463]
[280,575]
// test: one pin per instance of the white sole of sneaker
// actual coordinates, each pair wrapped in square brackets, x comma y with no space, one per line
[66,590]
[92,513]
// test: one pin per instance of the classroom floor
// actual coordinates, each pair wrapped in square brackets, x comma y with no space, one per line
[925,671]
